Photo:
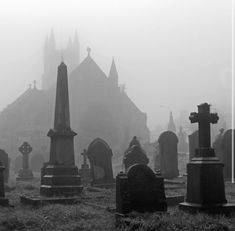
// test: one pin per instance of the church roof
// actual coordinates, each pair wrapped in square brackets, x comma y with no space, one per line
[88,69]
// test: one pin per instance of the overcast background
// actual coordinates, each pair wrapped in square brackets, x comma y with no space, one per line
[170,54]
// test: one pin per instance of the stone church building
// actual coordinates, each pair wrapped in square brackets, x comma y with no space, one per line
[99,107]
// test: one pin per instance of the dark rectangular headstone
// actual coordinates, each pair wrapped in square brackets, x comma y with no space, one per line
[140,190]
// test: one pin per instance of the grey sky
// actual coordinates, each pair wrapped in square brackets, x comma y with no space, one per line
[174,53]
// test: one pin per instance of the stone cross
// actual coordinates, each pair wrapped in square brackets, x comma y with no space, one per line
[204,118]
[84,154]
[25,149]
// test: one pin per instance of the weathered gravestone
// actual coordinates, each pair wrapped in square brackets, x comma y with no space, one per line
[100,157]
[216,145]
[140,190]
[168,155]
[3,201]
[205,182]
[60,175]
[183,145]
[18,164]
[25,172]
[193,144]
[5,162]
[226,149]
[85,172]
[134,154]
[36,162]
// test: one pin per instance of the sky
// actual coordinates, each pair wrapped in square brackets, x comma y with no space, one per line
[171,54]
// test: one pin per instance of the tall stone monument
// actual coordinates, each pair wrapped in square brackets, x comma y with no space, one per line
[60,175]
[205,182]
[25,172]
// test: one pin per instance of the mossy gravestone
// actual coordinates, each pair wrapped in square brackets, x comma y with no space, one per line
[100,156]
[5,161]
[140,190]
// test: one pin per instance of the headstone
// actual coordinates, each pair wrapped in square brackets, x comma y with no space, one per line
[134,154]
[85,172]
[217,145]
[193,144]
[168,154]
[205,182]
[100,157]
[157,158]
[183,145]
[59,176]
[37,161]
[18,164]
[5,162]
[3,201]
[25,172]
[140,190]
[226,149]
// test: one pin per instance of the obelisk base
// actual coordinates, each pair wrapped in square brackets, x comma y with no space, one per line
[205,187]
[60,180]
[25,175]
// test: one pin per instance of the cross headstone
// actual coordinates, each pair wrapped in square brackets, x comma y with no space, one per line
[25,173]
[84,171]
[205,182]
[140,190]
[204,118]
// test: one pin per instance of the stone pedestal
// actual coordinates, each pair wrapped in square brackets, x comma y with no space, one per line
[60,181]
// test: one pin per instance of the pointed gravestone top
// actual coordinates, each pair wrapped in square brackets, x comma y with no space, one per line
[62,117]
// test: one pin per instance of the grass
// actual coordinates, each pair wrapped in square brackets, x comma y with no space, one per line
[96,211]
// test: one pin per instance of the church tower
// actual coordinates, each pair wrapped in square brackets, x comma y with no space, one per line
[52,57]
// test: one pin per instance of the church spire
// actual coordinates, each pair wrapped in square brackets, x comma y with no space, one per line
[171,124]
[113,75]
[76,48]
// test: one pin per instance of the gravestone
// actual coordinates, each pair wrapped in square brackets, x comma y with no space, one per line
[226,149]
[134,154]
[183,145]
[59,176]
[36,162]
[217,145]
[5,162]
[168,154]
[85,172]
[157,158]
[100,157]
[140,190]
[3,201]
[18,164]
[25,172]
[193,144]
[205,182]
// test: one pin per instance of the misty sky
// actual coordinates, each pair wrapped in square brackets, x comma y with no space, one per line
[171,54]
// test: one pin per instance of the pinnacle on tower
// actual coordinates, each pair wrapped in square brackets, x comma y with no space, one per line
[171,124]
[113,75]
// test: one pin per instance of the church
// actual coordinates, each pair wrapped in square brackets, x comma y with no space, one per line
[99,107]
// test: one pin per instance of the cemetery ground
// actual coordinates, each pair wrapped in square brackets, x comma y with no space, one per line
[95,210]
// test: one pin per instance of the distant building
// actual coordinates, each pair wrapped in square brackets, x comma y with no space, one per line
[98,108]
[52,57]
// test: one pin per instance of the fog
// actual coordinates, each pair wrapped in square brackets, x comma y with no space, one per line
[171,54]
